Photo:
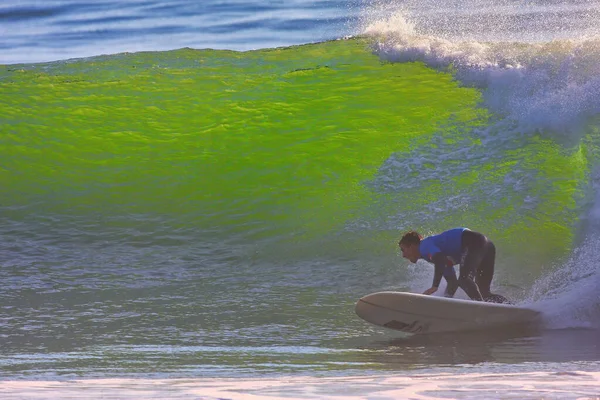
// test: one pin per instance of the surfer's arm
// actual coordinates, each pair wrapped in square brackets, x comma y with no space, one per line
[431,290]
[439,262]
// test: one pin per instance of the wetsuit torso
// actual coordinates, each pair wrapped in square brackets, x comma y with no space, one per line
[444,251]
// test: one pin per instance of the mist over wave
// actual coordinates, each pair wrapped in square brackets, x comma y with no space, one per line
[492,20]
[552,86]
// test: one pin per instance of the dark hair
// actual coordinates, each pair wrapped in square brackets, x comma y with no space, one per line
[410,238]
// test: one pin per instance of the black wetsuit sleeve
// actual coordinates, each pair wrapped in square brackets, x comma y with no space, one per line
[439,261]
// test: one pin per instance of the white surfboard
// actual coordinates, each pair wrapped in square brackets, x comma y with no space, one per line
[417,313]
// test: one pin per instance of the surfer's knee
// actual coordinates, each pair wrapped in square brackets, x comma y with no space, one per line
[464,280]
[465,283]
[451,289]
[470,288]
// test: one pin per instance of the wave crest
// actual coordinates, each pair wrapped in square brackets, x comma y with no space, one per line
[553,86]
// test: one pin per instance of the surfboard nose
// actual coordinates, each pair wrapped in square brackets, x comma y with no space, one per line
[377,295]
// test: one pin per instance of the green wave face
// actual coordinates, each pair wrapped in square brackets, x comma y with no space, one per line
[215,137]
[269,143]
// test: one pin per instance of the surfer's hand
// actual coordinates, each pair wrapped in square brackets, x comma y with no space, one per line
[431,290]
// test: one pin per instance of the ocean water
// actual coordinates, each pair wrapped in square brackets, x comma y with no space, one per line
[197,221]
[36,31]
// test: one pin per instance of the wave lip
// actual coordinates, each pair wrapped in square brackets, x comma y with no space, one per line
[553,86]
[492,20]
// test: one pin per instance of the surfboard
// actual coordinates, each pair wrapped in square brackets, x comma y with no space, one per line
[422,314]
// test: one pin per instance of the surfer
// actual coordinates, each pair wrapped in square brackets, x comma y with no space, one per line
[474,252]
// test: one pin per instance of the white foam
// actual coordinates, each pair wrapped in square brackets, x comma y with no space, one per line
[569,295]
[540,87]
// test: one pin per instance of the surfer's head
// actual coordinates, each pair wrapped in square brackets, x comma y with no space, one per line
[409,245]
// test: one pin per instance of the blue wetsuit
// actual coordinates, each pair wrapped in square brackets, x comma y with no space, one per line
[476,255]
[444,251]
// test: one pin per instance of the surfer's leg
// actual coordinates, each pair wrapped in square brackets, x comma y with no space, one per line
[485,274]
[485,270]
[451,286]
[465,280]
[473,244]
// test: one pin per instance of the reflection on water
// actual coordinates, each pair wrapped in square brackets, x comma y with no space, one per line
[510,346]
[529,348]
[500,384]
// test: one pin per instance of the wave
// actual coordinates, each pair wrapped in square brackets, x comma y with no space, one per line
[553,86]
[547,90]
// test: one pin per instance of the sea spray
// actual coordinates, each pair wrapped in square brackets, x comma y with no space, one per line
[545,87]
